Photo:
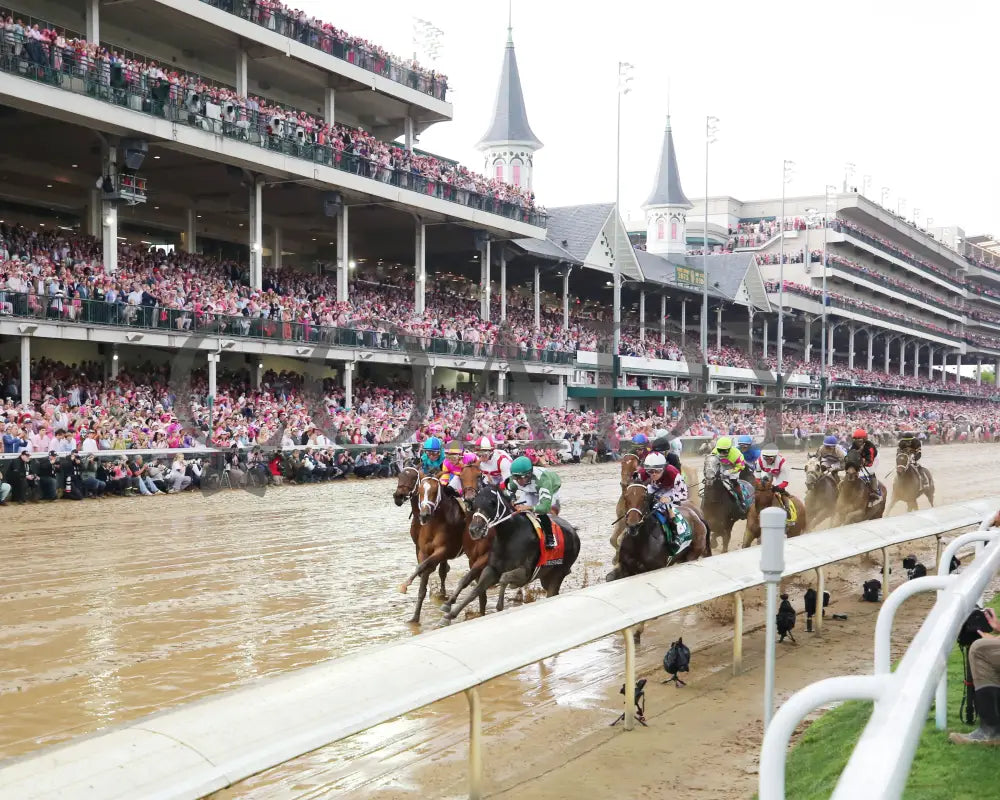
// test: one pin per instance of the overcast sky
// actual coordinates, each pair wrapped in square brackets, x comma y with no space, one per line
[902,89]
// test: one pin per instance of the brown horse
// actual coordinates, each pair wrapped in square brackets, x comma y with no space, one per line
[406,489]
[644,546]
[853,496]
[478,550]
[767,497]
[821,491]
[908,484]
[443,525]
[629,466]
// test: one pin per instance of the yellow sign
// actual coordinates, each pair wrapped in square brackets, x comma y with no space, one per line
[690,277]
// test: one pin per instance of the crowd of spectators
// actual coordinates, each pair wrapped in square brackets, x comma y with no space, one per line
[904,286]
[757,232]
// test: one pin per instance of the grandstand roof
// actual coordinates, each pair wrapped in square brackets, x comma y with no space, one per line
[587,233]
[667,189]
[545,249]
[733,277]
[510,118]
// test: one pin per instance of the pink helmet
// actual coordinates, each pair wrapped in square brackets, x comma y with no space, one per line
[485,443]
[469,458]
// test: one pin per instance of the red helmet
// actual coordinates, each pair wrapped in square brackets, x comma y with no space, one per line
[860,433]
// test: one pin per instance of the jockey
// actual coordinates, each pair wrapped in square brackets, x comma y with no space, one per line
[733,466]
[751,455]
[909,443]
[868,452]
[431,456]
[536,490]
[452,467]
[640,446]
[772,463]
[662,481]
[494,463]
[831,455]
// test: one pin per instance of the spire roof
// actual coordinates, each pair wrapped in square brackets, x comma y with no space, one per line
[510,119]
[667,189]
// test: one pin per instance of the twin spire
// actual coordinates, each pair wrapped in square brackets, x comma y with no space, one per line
[510,118]
[667,189]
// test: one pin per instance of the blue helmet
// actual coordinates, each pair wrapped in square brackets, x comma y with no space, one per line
[432,443]
[744,440]
[640,438]
[830,440]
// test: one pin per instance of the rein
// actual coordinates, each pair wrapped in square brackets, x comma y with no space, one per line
[498,515]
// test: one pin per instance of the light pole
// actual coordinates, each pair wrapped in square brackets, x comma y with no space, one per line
[900,206]
[426,40]
[624,78]
[711,129]
[848,174]
[916,217]
[866,184]
[885,196]
[786,177]
[831,197]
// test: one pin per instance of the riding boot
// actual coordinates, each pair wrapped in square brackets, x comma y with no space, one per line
[550,535]
[988,707]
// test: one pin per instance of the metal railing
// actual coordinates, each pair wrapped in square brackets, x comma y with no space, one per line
[850,270]
[337,44]
[202,747]
[120,86]
[178,321]
[882,758]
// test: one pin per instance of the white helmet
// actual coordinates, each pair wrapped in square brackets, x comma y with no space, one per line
[661,432]
[484,443]
[769,452]
[655,461]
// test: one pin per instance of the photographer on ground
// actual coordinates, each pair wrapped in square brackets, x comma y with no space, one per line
[21,477]
[49,472]
[984,662]
[178,479]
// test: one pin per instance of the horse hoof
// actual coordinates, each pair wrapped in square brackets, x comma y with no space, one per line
[402,588]
[446,607]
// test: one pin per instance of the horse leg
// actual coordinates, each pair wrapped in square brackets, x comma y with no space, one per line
[503,592]
[424,578]
[488,578]
[469,577]
[516,577]
[443,568]
[435,557]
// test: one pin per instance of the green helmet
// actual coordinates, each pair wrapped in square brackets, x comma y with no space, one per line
[724,443]
[521,466]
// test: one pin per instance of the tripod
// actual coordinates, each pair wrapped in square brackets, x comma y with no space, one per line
[675,680]
[640,703]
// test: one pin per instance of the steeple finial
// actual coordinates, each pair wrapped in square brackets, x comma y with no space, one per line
[668,101]
[510,23]
[510,119]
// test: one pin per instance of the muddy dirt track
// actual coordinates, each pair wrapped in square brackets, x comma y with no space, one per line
[113,609]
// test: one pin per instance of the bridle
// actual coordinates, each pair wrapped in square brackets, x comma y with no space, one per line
[633,530]
[498,514]
[416,483]
[427,504]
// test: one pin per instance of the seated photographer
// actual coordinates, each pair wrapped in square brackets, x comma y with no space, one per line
[984,662]
[178,479]
[93,486]
[21,477]
[49,472]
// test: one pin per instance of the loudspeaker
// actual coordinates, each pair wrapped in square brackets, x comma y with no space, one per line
[134,151]
[332,203]
[479,238]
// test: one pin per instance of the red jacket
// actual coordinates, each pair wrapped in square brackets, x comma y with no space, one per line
[667,479]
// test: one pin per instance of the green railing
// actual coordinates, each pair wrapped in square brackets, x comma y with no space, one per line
[115,84]
[176,321]
[339,46]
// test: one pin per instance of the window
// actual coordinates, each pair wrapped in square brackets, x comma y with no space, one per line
[499,170]
[673,231]
[515,172]
[659,228]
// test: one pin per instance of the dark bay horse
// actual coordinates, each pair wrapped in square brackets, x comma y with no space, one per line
[718,506]
[629,466]
[766,497]
[443,525]
[907,484]
[516,551]
[821,492]
[478,550]
[644,546]
[853,495]
[406,489]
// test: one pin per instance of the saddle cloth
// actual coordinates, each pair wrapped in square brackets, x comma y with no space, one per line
[793,512]
[548,557]
[680,526]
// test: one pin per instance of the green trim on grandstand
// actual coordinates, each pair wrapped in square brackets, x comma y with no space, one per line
[592,392]
[941,770]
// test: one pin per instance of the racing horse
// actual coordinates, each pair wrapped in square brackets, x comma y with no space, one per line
[644,546]
[766,497]
[718,506]
[478,550]
[406,489]
[853,495]
[821,492]
[443,525]
[629,466]
[907,485]
[516,551]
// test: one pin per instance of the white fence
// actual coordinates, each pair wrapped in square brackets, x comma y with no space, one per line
[881,761]
[201,747]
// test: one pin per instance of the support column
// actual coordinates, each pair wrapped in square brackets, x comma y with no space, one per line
[851,331]
[766,326]
[902,356]
[930,362]
[241,70]
[503,284]
[408,132]
[642,315]
[501,385]
[750,331]
[917,347]
[428,385]
[718,328]
[329,105]
[349,385]
[944,365]
[255,375]
[830,329]
[93,215]
[213,371]
[191,231]
[276,245]
[93,24]
[538,298]
[420,270]
[343,255]
[484,281]
[979,372]
[958,369]
[109,213]
[566,298]
[663,319]
[25,370]
[684,319]
[871,349]
[808,348]
[888,341]
[114,362]
[256,234]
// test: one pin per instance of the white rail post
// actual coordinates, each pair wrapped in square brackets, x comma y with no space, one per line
[885,573]
[937,552]
[737,633]
[887,615]
[629,679]
[772,564]
[820,591]
[475,744]
[956,544]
